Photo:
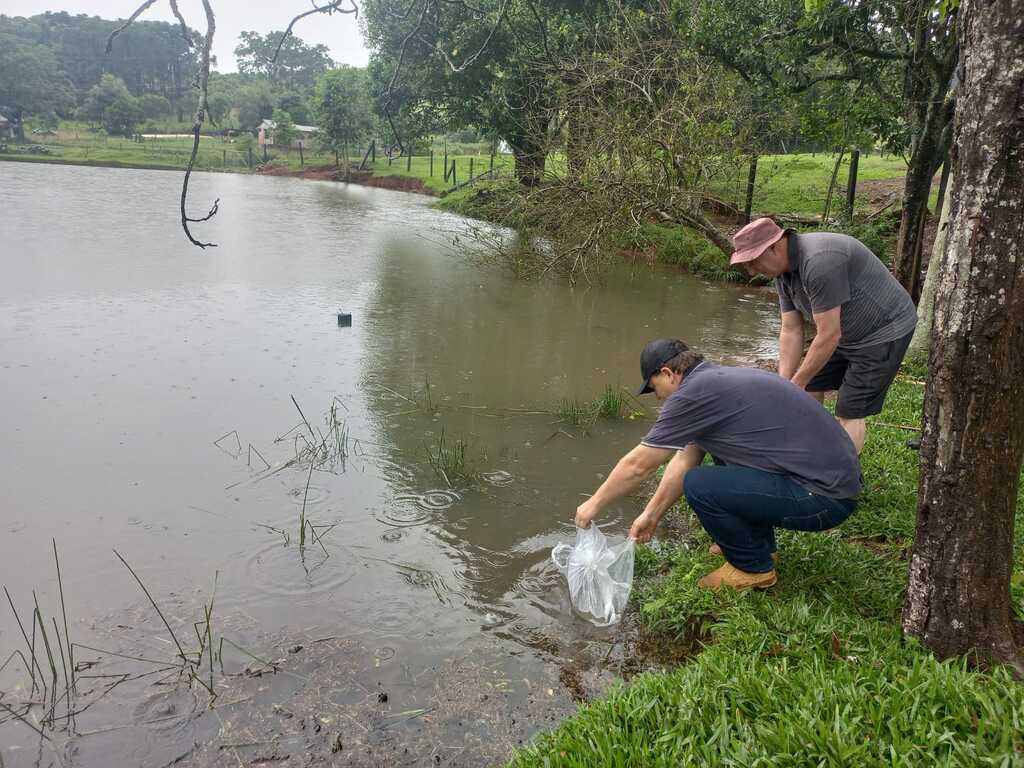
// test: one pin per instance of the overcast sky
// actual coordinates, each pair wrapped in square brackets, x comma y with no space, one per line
[339,33]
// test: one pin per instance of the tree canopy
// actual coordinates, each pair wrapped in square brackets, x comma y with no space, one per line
[296,66]
[31,80]
[342,107]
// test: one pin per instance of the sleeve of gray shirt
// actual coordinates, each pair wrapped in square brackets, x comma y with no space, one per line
[683,419]
[827,281]
[785,302]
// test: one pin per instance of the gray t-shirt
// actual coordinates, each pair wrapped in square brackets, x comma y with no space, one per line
[828,270]
[752,418]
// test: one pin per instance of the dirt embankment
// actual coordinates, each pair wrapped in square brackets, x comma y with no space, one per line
[365,178]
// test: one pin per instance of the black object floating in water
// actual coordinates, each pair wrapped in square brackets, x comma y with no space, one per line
[344,321]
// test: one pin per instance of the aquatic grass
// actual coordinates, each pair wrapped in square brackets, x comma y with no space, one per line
[54,700]
[575,412]
[611,404]
[449,459]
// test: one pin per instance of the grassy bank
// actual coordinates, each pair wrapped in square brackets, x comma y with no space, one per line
[812,672]
[76,144]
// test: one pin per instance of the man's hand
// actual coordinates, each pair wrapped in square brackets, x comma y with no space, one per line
[643,527]
[586,512]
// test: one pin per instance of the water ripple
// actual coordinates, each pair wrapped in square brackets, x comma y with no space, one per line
[498,477]
[293,572]
[410,509]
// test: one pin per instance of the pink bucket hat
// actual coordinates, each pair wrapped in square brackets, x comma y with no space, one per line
[754,239]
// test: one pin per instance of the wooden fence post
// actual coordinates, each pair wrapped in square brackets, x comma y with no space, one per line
[431,163]
[471,169]
[250,156]
[373,151]
[455,180]
[225,163]
[369,150]
[832,185]
[491,169]
[408,163]
[302,160]
[264,153]
[851,182]
[751,178]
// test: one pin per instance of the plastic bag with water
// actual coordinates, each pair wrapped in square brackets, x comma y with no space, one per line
[600,576]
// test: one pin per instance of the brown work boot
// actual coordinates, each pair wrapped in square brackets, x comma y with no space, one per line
[730,576]
[714,549]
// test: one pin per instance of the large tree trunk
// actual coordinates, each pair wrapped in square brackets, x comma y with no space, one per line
[921,343]
[958,597]
[529,158]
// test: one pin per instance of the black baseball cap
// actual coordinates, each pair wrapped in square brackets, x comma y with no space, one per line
[654,356]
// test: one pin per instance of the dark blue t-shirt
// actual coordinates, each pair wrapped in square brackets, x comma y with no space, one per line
[753,418]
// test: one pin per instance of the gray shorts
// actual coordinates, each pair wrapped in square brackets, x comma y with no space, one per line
[862,376]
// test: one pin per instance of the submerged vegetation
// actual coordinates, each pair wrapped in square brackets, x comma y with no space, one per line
[448,460]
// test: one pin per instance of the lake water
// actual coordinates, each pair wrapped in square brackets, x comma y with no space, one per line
[148,385]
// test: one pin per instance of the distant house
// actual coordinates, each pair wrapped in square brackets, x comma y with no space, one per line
[304,133]
[6,128]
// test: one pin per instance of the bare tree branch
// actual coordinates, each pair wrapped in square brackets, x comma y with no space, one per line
[138,12]
[181,21]
[201,110]
[328,9]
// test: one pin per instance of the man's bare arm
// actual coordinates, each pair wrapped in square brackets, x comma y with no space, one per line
[791,343]
[825,342]
[632,469]
[670,489]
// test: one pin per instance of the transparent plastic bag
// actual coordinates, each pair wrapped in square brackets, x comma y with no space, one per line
[600,576]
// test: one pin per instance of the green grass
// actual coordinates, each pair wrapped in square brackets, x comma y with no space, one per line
[812,672]
[798,184]
[81,144]
[420,168]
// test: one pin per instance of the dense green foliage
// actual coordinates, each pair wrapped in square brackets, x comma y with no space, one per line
[149,57]
[57,64]
[284,128]
[296,66]
[31,81]
[342,107]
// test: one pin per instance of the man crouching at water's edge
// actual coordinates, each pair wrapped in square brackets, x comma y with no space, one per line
[780,461]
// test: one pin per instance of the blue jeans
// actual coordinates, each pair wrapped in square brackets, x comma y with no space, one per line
[741,507]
